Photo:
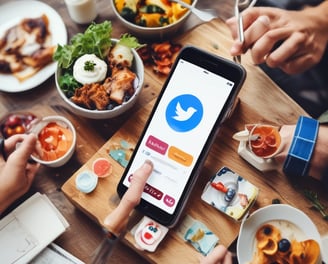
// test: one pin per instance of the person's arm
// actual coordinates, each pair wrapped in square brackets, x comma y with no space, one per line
[16,173]
[319,159]
[291,40]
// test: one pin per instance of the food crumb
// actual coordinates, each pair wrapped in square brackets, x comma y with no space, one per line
[215,46]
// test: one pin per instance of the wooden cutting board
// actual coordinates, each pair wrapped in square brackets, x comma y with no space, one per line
[255,105]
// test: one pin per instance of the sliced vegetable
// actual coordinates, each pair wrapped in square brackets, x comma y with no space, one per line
[128,14]
[55,141]
[150,13]
[151,9]
[152,20]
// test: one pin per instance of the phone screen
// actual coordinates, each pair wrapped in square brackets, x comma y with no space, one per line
[180,126]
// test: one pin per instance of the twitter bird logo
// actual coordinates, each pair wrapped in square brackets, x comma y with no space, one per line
[184,112]
[181,114]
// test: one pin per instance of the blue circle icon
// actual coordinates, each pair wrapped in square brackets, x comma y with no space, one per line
[184,112]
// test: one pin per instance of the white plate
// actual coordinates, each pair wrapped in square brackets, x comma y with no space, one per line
[11,13]
[246,239]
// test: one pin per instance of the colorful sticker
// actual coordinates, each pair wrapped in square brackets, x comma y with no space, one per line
[148,234]
[198,235]
[121,152]
[230,193]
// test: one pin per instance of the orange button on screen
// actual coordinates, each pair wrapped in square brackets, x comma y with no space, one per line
[180,156]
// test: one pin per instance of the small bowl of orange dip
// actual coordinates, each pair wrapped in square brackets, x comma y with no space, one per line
[56,141]
[264,140]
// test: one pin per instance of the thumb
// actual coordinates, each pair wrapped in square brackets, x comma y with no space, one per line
[24,149]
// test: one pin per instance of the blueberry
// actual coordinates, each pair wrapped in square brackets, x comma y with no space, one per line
[283,245]
[267,230]
[111,106]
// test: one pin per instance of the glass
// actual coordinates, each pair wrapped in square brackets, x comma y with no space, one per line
[82,11]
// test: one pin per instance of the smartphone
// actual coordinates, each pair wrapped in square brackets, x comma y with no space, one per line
[196,98]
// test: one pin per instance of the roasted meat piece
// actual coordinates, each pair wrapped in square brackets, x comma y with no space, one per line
[121,83]
[26,47]
[91,96]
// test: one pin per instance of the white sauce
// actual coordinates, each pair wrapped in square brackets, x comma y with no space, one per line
[83,76]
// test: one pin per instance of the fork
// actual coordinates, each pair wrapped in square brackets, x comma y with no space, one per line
[201,14]
[240,28]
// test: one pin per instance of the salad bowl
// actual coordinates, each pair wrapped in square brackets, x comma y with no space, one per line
[69,86]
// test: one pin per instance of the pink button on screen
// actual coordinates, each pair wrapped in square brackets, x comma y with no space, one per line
[156,145]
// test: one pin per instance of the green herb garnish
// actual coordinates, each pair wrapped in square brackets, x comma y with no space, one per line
[89,66]
[316,204]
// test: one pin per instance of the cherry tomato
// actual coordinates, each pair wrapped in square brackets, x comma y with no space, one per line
[16,124]
[13,120]
[19,130]
[8,132]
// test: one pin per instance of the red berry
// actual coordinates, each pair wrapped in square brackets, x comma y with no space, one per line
[13,120]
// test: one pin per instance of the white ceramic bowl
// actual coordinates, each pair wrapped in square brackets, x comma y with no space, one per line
[153,32]
[64,122]
[276,212]
[137,67]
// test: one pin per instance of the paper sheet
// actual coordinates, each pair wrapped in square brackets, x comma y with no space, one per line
[27,230]
[53,254]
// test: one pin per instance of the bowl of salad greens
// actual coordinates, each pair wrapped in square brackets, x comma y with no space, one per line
[152,19]
[97,76]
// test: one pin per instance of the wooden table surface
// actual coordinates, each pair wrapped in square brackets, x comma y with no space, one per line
[260,101]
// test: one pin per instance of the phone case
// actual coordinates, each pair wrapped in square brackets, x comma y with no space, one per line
[184,106]
[230,193]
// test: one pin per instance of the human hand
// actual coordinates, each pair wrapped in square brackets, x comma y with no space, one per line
[117,220]
[219,255]
[293,41]
[16,173]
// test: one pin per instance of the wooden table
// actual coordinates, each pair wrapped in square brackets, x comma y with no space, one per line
[260,101]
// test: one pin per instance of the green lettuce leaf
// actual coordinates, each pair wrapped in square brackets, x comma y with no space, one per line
[95,40]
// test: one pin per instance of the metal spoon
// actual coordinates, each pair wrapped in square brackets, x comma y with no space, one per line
[203,15]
